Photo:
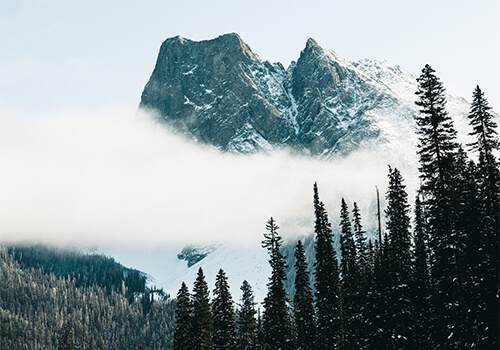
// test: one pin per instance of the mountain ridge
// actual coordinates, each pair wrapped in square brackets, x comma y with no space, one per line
[219,92]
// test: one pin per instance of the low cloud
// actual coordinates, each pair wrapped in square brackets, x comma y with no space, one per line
[106,179]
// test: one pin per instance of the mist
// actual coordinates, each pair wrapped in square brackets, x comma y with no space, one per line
[106,179]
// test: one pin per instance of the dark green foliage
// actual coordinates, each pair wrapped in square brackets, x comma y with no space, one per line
[183,320]
[350,278]
[364,269]
[484,241]
[437,150]
[85,269]
[348,266]
[224,333]
[483,125]
[260,342]
[303,309]
[375,334]
[35,305]
[362,260]
[17,333]
[399,261]
[202,314]
[421,280]
[398,227]
[468,239]
[245,321]
[326,273]
[67,341]
[276,321]
[436,134]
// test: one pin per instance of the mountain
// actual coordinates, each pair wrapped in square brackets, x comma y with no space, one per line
[219,92]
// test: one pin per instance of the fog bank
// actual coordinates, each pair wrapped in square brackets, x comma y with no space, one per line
[105,179]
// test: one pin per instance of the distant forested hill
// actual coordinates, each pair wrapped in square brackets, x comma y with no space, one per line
[51,297]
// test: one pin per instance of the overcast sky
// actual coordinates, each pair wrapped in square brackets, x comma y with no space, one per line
[86,56]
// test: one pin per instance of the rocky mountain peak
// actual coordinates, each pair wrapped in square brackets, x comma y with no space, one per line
[311,45]
[221,93]
[233,44]
[312,51]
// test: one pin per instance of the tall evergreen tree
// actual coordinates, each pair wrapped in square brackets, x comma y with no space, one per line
[246,322]
[348,264]
[437,150]
[487,142]
[484,243]
[398,227]
[350,277]
[399,260]
[183,320]
[421,283]
[303,302]
[260,343]
[483,125]
[326,273]
[376,332]
[67,341]
[361,245]
[437,145]
[469,247]
[202,314]
[224,333]
[277,334]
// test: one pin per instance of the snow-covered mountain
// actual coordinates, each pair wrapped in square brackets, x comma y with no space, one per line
[219,92]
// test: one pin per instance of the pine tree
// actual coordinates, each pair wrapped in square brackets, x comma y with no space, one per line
[437,150]
[361,246]
[183,320]
[67,341]
[375,331]
[398,227]
[436,135]
[399,260]
[376,315]
[468,237]
[348,264]
[350,277]
[421,282]
[483,126]
[303,302]
[224,333]
[326,273]
[260,342]
[246,322]
[484,245]
[277,334]
[202,314]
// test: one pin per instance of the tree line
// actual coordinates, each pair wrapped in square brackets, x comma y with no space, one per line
[429,280]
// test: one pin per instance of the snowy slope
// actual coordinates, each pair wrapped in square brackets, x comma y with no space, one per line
[168,272]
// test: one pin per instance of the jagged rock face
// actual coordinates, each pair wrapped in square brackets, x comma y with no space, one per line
[208,89]
[221,93]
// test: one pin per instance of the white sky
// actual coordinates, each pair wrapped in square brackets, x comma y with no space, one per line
[91,55]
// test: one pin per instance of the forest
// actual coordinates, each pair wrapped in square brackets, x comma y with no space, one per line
[428,281]
[54,298]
